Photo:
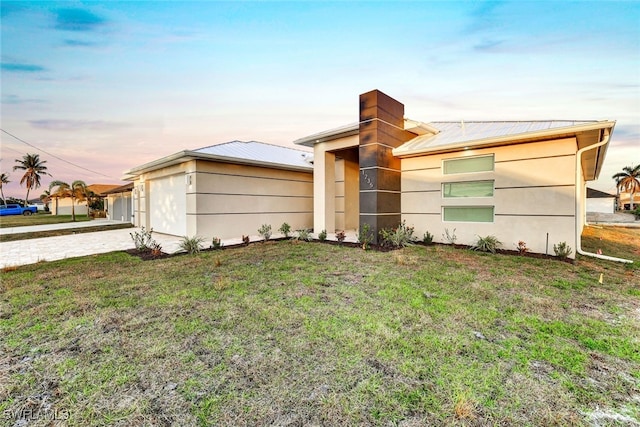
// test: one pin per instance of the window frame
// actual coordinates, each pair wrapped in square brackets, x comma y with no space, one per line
[454,159]
[493,213]
[445,197]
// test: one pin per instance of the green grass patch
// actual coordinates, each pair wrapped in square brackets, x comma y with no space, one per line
[316,334]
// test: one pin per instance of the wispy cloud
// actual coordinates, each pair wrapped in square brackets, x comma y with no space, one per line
[489,45]
[483,16]
[78,20]
[21,68]
[67,125]
[79,43]
[16,100]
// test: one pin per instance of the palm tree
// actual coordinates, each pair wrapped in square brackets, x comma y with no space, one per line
[33,168]
[4,179]
[76,191]
[45,198]
[628,180]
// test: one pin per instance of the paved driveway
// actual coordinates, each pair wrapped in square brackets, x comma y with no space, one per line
[30,251]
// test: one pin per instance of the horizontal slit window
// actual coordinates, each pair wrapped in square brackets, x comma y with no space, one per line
[468,165]
[467,189]
[468,213]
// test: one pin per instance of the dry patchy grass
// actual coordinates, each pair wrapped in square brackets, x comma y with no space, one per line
[313,334]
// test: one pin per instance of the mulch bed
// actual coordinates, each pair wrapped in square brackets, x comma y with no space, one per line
[148,255]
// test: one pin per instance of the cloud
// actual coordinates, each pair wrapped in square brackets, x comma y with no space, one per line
[489,45]
[67,125]
[483,17]
[78,20]
[22,68]
[78,43]
[15,100]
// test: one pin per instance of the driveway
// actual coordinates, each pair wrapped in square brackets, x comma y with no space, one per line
[30,251]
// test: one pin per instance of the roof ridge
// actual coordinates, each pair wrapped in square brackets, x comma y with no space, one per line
[249,142]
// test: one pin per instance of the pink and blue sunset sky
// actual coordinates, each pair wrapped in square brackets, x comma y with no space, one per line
[112,85]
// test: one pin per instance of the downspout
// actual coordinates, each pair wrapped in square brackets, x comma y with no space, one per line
[579,219]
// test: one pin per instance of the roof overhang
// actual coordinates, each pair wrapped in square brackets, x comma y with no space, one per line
[188,155]
[586,134]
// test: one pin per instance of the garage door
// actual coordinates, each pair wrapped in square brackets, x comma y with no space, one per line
[168,205]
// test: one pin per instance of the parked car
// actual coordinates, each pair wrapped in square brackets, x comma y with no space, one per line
[16,209]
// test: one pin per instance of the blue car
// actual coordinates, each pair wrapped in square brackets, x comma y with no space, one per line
[15,209]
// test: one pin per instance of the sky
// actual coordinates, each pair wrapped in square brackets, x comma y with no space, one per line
[96,88]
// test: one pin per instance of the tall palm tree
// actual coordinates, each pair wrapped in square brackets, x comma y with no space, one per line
[33,168]
[76,191]
[4,179]
[628,180]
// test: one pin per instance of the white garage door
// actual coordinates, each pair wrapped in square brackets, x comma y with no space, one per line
[168,205]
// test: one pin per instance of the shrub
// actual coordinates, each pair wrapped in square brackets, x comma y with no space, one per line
[636,212]
[487,244]
[365,235]
[216,243]
[427,239]
[265,231]
[304,234]
[323,235]
[285,229]
[142,240]
[522,247]
[562,250]
[245,239]
[156,249]
[449,237]
[340,236]
[191,245]
[398,237]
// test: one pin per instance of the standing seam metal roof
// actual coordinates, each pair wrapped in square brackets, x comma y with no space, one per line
[452,133]
[260,152]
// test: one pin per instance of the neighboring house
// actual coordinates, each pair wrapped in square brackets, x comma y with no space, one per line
[519,181]
[225,191]
[599,201]
[62,205]
[118,203]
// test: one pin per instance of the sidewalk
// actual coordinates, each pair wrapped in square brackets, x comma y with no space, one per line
[60,226]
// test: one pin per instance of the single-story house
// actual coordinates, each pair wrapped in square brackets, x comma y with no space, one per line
[516,180]
[118,203]
[224,191]
[62,205]
[599,201]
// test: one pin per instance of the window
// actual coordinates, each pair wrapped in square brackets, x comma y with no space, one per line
[467,189]
[468,213]
[468,164]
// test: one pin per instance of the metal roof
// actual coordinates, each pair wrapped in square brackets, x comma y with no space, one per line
[260,152]
[456,133]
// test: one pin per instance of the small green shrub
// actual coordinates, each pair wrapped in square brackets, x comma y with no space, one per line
[304,234]
[323,235]
[398,237]
[340,236]
[562,250]
[487,244]
[191,245]
[365,235]
[427,238]
[265,231]
[636,212]
[285,229]
[449,237]
[216,243]
[142,240]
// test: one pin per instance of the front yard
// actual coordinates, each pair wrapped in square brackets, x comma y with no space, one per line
[287,333]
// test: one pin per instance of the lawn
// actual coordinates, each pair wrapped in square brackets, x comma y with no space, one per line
[286,333]
[37,219]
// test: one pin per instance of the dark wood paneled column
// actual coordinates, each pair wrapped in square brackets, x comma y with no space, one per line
[381,130]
